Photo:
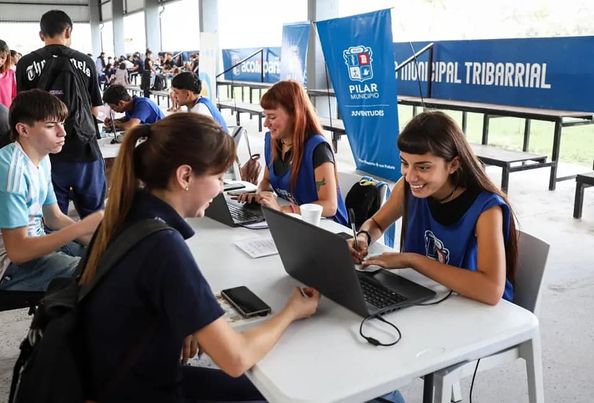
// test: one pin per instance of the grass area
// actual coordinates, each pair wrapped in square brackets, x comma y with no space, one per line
[577,143]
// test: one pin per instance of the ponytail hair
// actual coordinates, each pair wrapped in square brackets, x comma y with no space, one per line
[148,159]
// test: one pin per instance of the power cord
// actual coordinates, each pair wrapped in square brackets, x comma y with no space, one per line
[472,382]
[374,341]
[439,301]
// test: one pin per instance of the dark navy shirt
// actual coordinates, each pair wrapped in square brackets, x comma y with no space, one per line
[156,296]
[145,110]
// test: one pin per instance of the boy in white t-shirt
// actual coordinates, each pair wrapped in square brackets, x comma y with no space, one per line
[30,258]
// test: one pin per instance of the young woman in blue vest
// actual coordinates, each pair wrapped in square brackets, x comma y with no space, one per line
[156,298]
[458,227]
[300,165]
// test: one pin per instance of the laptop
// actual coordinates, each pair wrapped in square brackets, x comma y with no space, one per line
[322,260]
[232,213]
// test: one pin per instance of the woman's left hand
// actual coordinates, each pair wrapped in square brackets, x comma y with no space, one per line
[189,349]
[268,199]
[388,260]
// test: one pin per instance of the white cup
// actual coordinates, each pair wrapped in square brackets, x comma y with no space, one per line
[311,213]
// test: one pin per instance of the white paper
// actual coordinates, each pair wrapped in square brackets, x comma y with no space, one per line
[257,247]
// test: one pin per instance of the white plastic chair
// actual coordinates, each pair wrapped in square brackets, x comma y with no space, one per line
[237,133]
[532,259]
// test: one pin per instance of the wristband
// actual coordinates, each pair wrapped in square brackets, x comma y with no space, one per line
[367,235]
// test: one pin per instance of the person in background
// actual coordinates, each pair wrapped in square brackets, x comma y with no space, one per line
[458,227]
[30,258]
[137,110]
[157,293]
[187,88]
[14,58]
[8,87]
[300,164]
[78,171]
[121,76]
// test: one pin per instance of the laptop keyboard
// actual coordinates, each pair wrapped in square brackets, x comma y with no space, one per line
[241,214]
[378,296]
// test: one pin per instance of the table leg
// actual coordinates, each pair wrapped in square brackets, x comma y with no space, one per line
[526,144]
[578,202]
[464,121]
[555,155]
[485,139]
[428,388]
[530,352]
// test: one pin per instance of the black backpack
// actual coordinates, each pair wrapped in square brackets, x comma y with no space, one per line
[60,78]
[159,84]
[365,198]
[50,367]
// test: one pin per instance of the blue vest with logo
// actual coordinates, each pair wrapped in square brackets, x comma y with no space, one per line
[214,111]
[305,189]
[455,244]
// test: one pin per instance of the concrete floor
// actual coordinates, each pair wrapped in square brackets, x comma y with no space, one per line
[566,303]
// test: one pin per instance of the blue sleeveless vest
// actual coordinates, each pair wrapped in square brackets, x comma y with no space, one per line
[455,244]
[214,111]
[305,189]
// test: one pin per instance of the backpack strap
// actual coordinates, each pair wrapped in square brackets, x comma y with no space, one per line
[119,247]
[390,232]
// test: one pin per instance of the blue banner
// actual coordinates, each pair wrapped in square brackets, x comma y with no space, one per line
[359,54]
[250,69]
[293,62]
[550,73]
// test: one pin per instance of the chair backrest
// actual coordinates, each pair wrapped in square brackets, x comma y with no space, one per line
[237,134]
[532,260]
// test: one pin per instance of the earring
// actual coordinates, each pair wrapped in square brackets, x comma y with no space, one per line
[187,188]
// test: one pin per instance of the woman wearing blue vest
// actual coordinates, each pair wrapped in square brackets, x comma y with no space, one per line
[458,227]
[186,88]
[155,304]
[300,165]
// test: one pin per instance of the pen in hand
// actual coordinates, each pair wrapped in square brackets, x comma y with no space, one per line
[352,221]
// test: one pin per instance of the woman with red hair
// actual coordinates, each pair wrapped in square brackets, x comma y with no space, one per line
[300,164]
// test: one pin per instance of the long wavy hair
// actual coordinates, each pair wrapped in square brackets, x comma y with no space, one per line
[148,159]
[436,133]
[291,96]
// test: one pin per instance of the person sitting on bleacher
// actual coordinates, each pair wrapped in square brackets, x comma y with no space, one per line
[30,258]
[300,164]
[120,77]
[137,110]
[187,88]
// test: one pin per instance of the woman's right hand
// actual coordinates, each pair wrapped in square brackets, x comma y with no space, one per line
[301,306]
[248,198]
[358,253]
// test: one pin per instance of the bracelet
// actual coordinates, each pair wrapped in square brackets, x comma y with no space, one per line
[367,235]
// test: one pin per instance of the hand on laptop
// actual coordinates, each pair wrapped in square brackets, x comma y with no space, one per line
[388,260]
[268,199]
[300,306]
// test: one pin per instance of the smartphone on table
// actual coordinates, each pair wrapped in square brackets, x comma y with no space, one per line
[245,301]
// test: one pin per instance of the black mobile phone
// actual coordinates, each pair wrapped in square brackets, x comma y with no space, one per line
[245,301]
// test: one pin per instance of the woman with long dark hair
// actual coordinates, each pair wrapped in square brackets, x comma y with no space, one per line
[155,299]
[300,164]
[458,227]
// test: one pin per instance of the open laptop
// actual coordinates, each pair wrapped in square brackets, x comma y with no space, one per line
[232,213]
[322,260]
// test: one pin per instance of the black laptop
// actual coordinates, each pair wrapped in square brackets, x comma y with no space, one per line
[232,213]
[322,260]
